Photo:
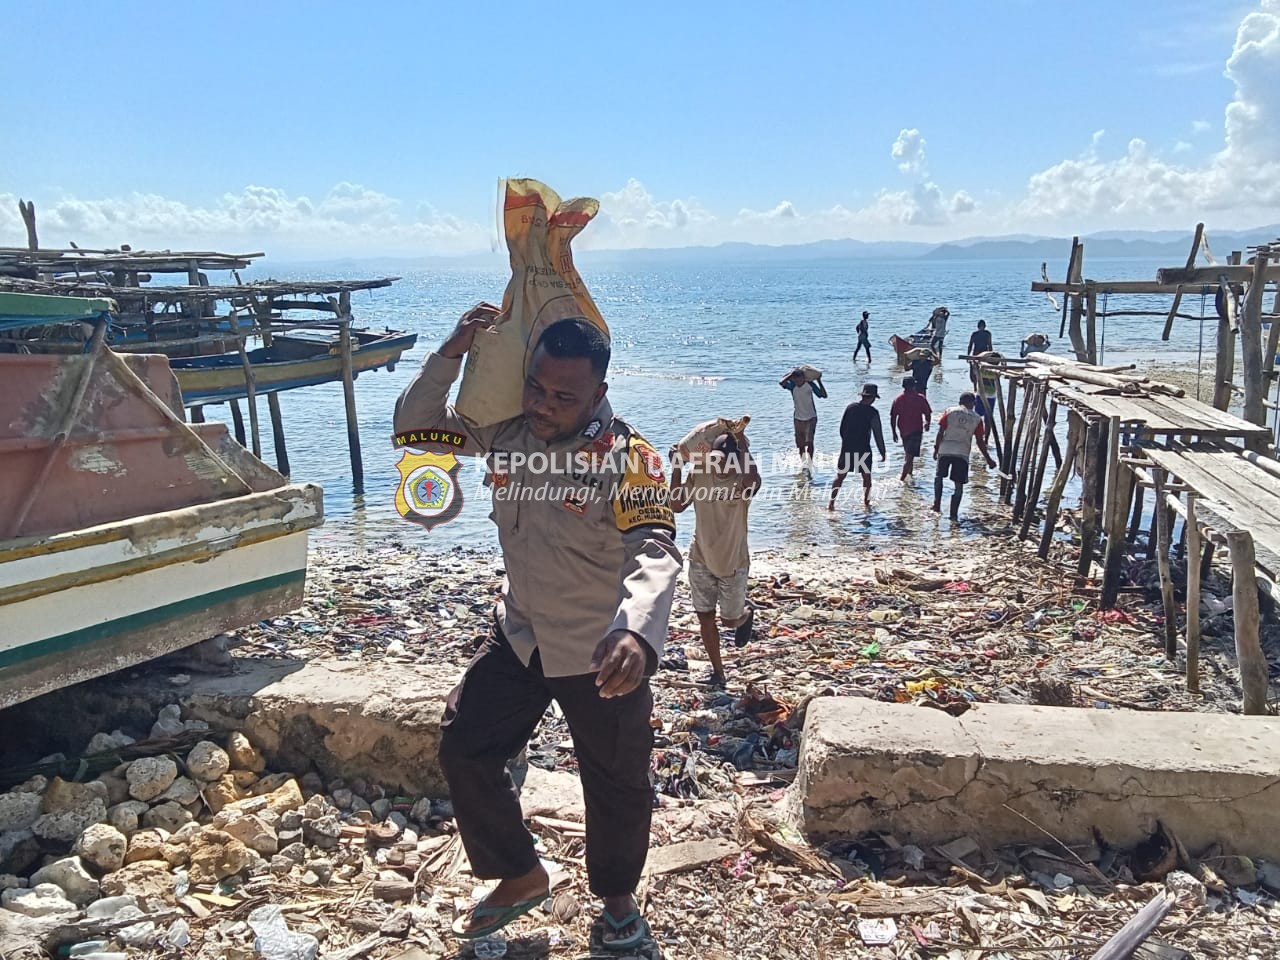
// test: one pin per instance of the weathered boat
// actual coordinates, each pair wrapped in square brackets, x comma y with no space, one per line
[125,532]
[297,359]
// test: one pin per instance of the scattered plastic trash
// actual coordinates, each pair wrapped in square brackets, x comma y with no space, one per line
[491,947]
[877,933]
[275,941]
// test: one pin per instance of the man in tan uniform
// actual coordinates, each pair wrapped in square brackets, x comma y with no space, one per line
[720,491]
[587,535]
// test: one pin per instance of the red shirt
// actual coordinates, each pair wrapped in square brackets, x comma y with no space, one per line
[908,412]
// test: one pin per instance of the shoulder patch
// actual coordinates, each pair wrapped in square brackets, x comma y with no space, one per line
[642,497]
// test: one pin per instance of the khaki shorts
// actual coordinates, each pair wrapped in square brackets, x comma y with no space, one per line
[708,590]
[805,430]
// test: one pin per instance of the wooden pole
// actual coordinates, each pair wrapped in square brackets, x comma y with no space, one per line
[1026,455]
[1162,566]
[1091,328]
[1060,480]
[1071,272]
[349,393]
[1177,297]
[1193,596]
[28,210]
[1115,510]
[1093,440]
[1014,468]
[1255,387]
[250,386]
[1253,664]
[1033,495]
[1135,521]
[1225,363]
[263,315]
[1006,456]
[1077,312]
[237,422]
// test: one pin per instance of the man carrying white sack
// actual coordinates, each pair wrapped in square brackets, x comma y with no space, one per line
[582,620]
[720,485]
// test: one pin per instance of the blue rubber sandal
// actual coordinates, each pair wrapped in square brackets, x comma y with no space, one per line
[501,917]
[626,943]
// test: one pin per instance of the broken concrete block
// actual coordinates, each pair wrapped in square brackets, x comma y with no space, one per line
[927,777]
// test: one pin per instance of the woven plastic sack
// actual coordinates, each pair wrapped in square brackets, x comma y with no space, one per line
[697,442]
[544,287]
[808,372]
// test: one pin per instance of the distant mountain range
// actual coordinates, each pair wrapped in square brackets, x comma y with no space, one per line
[1170,245]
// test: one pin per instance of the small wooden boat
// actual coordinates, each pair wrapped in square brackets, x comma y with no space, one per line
[299,358]
[126,533]
[904,345]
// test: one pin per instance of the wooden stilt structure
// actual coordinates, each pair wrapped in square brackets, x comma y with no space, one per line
[1193,597]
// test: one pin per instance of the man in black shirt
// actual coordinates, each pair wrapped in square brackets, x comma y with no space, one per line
[979,340]
[922,369]
[861,422]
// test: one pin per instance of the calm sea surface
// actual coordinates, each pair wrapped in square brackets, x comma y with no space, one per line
[690,344]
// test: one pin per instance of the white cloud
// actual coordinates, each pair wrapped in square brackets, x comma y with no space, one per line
[633,217]
[1201,126]
[908,151]
[349,218]
[1143,187]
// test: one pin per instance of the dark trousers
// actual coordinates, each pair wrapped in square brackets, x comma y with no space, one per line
[489,718]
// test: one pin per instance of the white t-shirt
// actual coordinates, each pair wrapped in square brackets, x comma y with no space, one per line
[939,326]
[961,424]
[802,397]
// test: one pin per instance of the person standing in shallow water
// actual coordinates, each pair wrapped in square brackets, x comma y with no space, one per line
[860,424]
[720,488]
[864,336]
[979,340]
[591,566]
[957,429]
[805,412]
[910,414]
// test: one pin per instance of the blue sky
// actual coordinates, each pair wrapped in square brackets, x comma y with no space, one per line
[382,128]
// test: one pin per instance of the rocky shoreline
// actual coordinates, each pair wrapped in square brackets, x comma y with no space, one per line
[194,847]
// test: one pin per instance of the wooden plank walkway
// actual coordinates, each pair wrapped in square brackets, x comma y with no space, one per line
[1237,493]
[1159,415]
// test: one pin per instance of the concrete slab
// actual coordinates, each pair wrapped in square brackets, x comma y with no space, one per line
[377,721]
[928,777]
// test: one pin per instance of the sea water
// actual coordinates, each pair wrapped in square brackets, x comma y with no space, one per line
[693,343]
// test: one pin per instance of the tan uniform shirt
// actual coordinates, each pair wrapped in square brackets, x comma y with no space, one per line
[585,526]
[720,523]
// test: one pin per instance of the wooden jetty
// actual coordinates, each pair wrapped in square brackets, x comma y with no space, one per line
[1126,435]
[198,319]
